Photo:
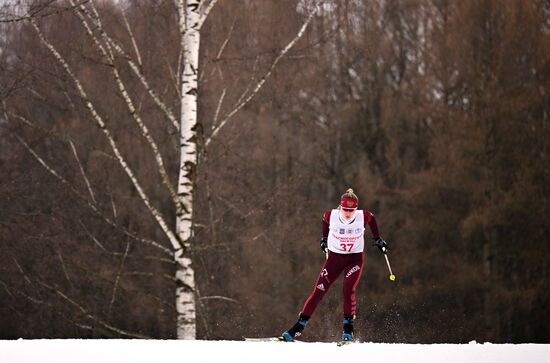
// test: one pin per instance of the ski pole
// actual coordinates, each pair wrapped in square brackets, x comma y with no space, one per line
[392,276]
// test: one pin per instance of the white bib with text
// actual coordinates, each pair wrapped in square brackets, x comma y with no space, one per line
[346,237]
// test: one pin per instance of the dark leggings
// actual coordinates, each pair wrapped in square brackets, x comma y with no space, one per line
[352,266]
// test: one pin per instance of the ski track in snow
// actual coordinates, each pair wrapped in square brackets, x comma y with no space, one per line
[141,351]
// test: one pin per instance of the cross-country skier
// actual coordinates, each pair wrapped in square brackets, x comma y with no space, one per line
[343,243]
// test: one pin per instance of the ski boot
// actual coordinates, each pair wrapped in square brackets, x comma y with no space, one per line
[296,330]
[347,335]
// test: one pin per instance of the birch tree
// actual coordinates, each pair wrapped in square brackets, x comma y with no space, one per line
[191,15]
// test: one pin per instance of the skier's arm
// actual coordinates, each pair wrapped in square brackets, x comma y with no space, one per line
[324,238]
[374,227]
[326,220]
[377,240]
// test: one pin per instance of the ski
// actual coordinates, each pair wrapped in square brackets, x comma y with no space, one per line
[271,339]
[344,342]
[276,339]
[268,339]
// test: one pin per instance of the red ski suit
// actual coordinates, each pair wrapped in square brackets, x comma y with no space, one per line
[351,264]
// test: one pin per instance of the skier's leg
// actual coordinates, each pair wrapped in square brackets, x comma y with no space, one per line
[329,273]
[351,279]
[352,275]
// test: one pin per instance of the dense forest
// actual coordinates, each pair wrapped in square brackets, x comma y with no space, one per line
[435,112]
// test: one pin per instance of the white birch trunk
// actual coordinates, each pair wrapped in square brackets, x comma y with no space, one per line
[189,19]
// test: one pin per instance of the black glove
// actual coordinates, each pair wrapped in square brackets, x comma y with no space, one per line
[381,244]
[324,244]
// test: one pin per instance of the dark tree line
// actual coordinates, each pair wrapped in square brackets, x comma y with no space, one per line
[435,112]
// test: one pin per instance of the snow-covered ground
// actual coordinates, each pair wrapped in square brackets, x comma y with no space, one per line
[138,351]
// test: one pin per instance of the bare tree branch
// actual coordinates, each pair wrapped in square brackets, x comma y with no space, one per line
[132,38]
[34,13]
[90,316]
[217,297]
[249,85]
[119,254]
[92,237]
[129,234]
[21,270]
[206,10]
[262,81]
[84,176]
[218,108]
[108,54]
[101,124]
[220,52]
[26,296]
[117,279]
[136,68]
[62,262]
[92,206]
[6,288]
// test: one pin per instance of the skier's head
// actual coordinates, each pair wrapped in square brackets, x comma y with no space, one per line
[349,201]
